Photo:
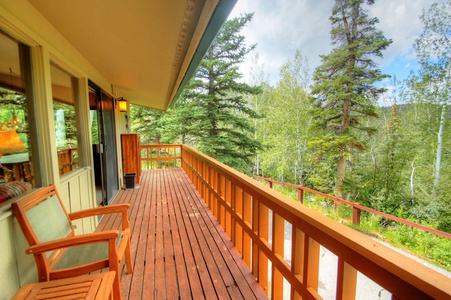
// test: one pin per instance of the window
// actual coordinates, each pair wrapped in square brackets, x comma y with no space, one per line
[64,87]
[16,165]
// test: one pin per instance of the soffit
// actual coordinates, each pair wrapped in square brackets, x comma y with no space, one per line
[142,47]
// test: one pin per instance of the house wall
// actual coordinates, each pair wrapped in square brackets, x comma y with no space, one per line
[23,22]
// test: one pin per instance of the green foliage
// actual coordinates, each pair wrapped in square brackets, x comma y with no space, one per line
[286,117]
[429,92]
[380,179]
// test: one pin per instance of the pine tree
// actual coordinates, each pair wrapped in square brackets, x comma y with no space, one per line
[149,123]
[344,92]
[226,131]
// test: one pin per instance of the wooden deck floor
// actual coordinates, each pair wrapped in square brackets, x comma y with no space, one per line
[179,249]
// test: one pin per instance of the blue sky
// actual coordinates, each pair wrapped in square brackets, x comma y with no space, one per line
[280,27]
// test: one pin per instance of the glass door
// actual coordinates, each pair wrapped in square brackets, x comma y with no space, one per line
[104,145]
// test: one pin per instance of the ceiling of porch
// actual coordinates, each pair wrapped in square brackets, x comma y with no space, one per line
[146,49]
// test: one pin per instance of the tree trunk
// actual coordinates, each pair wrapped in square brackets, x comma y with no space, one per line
[438,158]
[341,173]
[341,164]
[412,180]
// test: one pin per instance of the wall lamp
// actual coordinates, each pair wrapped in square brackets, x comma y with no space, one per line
[122,103]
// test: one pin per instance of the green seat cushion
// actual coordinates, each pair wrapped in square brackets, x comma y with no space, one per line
[84,254]
[48,220]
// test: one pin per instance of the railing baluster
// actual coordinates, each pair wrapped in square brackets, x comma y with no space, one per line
[247,217]
[278,239]
[228,201]
[311,264]
[297,258]
[263,215]
[237,229]
[346,280]
[255,251]
[233,224]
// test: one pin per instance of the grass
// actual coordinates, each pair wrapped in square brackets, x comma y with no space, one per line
[429,247]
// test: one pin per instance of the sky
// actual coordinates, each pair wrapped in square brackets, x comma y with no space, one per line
[280,27]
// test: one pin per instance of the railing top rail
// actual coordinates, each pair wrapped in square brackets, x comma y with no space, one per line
[160,145]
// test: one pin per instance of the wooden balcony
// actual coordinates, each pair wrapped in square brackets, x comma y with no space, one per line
[186,221]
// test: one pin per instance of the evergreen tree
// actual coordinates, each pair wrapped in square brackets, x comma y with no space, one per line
[225,131]
[149,123]
[344,92]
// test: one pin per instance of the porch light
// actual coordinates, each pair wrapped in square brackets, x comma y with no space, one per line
[122,103]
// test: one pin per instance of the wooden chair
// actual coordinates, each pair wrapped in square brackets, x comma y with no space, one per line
[58,252]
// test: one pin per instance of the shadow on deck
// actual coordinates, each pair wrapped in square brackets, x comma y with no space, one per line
[179,249]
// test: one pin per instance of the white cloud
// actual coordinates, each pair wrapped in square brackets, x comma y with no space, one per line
[281,27]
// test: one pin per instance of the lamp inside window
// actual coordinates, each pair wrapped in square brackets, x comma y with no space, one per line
[122,104]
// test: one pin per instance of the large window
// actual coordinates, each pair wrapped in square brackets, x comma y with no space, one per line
[64,87]
[16,166]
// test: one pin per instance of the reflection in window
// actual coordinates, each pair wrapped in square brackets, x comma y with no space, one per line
[65,118]
[16,168]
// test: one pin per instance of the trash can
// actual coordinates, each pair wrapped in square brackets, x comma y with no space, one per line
[129,180]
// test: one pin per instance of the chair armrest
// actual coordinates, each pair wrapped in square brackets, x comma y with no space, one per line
[96,237]
[91,212]
[109,209]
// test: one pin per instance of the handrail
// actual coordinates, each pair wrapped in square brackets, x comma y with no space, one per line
[356,207]
[243,207]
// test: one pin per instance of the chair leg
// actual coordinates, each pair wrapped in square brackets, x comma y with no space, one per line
[128,258]
[117,293]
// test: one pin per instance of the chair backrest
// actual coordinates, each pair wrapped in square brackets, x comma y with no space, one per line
[42,216]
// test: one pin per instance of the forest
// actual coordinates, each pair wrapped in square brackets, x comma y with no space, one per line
[326,129]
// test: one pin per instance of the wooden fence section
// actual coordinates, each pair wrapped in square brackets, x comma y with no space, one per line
[356,207]
[160,156]
[243,208]
[67,160]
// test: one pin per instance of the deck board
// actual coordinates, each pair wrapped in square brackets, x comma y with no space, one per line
[179,249]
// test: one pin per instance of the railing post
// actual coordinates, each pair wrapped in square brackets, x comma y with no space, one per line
[301,195]
[356,214]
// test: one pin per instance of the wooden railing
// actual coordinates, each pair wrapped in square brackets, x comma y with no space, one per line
[256,218]
[160,156]
[67,160]
[356,207]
